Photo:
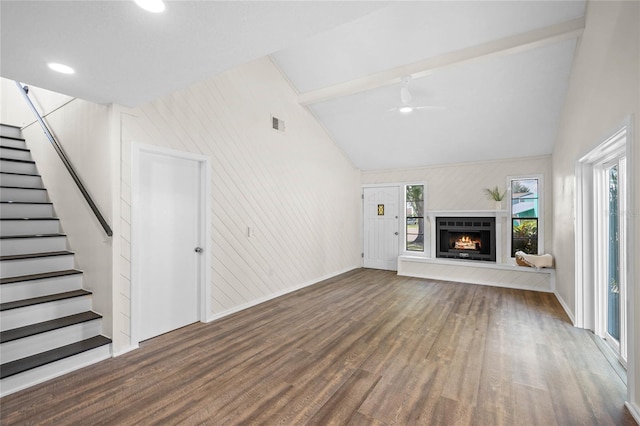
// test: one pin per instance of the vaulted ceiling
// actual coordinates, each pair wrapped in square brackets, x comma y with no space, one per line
[494,74]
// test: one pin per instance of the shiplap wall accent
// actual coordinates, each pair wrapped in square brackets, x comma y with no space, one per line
[295,189]
[462,186]
[82,128]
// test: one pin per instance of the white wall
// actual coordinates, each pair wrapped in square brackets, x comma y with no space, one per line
[296,189]
[462,186]
[604,88]
[82,128]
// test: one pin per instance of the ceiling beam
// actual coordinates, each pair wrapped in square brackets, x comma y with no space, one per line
[505,46]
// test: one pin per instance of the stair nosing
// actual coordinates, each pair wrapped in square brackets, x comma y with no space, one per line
[37,255]
[22,187]
[17,161]
[20,174]
[16,149]
[38,360]
[12,137]
[17,304]
[47,326]
[29,218]
[40,276]
[8,237]
[26,202]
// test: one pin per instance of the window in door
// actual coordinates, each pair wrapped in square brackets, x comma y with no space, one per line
[610,240]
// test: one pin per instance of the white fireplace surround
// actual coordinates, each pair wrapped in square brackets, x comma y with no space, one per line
[502,273]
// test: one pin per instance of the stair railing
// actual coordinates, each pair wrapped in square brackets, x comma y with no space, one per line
[24,90]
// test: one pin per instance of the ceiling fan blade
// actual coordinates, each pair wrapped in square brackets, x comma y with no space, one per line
[438,107]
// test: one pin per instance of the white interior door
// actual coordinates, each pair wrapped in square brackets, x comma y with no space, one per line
[168,232]
[381,239]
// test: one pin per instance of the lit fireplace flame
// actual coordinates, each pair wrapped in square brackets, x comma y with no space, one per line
[466,243]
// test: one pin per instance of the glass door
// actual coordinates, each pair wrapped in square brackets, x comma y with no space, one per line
[612,247]
[613,258]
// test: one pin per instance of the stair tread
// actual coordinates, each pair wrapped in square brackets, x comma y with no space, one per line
[12,137]
[26,202]
[38,360]
[43,327]
[29,218]
[43,299]
[8,237]
[32,277]
[36,255]
[15,149]
[20,174]
[22,187]
[17,161]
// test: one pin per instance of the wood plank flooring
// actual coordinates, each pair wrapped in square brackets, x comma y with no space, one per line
[365,348]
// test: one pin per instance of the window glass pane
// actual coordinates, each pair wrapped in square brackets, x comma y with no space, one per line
[525,211]
[524,236]
[613,293]
[414,232]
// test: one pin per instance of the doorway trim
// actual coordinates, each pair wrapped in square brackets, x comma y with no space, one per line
[204,275]
[585,300]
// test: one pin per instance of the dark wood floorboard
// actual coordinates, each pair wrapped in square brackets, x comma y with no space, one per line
[365,348]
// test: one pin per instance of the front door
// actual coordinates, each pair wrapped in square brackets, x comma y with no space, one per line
[169,210]
[381,240]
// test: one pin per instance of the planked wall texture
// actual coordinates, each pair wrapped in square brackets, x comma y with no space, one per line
[295,188]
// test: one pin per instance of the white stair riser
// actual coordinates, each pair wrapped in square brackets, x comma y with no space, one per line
[27,346]
[36,288]
[38,265]
[13,246]
[34,376]
[26,210]
[11,131]
[13,143]
[23,195]
[14,154]
[24,181]
[29,227]
[16,167]
[14,318]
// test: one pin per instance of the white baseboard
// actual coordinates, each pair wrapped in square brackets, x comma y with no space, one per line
[634,410]
[255,302]
[566,308]
[125,350]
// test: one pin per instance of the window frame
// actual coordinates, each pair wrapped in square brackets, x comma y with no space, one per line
[541,211]
[426,231]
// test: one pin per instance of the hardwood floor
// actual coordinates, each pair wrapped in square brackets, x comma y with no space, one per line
[365,348]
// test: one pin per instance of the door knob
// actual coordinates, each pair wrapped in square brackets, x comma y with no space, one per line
[198,250]
[395,233]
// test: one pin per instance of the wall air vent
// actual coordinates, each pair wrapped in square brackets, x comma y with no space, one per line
[277,124]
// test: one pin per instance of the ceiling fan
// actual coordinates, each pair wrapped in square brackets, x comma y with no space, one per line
[406,106]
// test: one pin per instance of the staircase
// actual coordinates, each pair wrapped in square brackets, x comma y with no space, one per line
[47,327]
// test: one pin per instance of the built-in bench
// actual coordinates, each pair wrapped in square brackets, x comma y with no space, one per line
[478,272]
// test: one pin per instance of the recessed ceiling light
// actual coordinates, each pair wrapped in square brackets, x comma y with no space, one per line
[406,109]
[64,69]
[155,6]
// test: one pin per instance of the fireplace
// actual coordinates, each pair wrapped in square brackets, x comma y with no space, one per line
[470,238]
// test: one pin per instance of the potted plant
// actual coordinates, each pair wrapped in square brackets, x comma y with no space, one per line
[496,195]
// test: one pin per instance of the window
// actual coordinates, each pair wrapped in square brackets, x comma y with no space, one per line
[414,226]
[525,214]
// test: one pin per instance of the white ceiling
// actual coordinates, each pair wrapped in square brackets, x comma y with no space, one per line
[126,55]
[499,70]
